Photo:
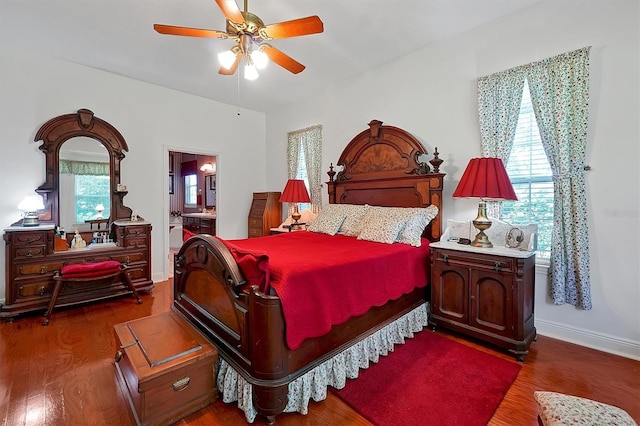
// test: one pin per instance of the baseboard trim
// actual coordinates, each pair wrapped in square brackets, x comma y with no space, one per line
[602,342]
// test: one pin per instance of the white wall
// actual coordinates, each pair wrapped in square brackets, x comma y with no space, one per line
[35,89]
[432,94]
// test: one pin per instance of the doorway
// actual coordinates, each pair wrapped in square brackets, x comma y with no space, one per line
[192,200]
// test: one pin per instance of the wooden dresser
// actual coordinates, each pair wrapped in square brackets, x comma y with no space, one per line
[31,262]
[487,293]
[265,213]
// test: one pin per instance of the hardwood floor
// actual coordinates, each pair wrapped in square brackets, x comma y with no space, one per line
[64,374]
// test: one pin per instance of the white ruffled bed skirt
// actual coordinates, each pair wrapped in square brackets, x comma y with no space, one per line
[333,372]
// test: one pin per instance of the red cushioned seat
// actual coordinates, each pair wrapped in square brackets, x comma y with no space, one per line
[87,273]
[85,270]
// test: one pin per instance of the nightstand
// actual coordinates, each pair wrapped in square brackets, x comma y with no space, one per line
[486,293]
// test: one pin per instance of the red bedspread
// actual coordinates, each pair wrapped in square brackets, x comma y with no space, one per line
[324,280]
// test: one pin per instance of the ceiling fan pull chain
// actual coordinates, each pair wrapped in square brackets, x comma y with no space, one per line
[238,93]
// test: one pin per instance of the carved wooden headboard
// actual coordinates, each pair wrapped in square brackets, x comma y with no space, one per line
[381,166]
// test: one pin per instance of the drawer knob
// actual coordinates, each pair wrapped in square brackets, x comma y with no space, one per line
[181,384]
[498,266]
[43,270]
[445,258]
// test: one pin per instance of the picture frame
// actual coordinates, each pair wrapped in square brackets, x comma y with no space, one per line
[210,191]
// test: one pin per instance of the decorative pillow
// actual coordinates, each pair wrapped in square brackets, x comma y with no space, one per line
[327,222]
[382,224]
[557,409]
[353,215]
[419,218]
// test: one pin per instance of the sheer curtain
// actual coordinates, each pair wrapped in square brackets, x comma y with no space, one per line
[559,88]
[309,142]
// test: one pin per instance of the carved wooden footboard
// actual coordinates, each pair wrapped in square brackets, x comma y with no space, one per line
[247,326]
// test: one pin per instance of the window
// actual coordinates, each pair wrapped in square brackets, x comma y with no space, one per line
[304,159]
[90,191]
[302,174]
[191,190]
[531,178]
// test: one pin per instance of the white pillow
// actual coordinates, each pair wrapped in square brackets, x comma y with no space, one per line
[557,409]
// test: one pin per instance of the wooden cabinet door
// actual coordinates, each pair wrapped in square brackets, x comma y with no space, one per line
[450,292]
[491,307]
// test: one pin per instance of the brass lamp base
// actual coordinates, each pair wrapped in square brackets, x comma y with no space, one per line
[482,223]
[295,226]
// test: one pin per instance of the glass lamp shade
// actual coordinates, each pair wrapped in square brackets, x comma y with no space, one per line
[250,71]
[226,59]
[487,179]
[259,58]
[30,205]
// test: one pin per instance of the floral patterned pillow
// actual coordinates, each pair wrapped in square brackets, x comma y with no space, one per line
[327,222]
[353,215]
[556,409]
[382,224]
[418,219]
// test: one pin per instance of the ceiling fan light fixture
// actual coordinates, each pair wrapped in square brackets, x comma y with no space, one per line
[250,71]
[226,59]
[259,58]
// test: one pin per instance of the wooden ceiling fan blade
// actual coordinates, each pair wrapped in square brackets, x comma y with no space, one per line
[294,28]
[285,61]
[231,11]
[189,32]
[233,68]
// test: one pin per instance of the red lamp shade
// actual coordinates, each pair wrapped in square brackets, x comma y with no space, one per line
[485,178]
[295,192]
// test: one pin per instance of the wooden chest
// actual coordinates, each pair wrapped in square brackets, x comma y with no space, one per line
[165,367]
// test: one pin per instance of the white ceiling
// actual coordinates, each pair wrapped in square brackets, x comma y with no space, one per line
[118,36]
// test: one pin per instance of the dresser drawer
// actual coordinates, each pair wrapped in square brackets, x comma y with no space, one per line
[496,263]
[33,289]
[134,231]
[137,242]
[255,232]
[29,252]
[38,269]
[131,257]
[29,238]
[255,222]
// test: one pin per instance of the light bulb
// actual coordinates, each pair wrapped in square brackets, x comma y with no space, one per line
[259,58]
[226,59]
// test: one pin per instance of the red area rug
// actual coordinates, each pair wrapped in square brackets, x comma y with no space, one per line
[431,380]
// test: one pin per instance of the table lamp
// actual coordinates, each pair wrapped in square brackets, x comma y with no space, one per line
[295,191]
[487,179]
[30,206]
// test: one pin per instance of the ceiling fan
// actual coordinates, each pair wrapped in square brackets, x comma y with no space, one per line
[250,34]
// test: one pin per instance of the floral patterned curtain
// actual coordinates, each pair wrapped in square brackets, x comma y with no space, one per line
[309,141]
[499,99]
[70,167]
[559,89]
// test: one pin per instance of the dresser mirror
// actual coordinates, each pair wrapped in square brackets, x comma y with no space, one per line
[84,184]
[80,136]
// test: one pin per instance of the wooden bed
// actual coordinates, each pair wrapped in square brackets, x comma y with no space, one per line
[380,166]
